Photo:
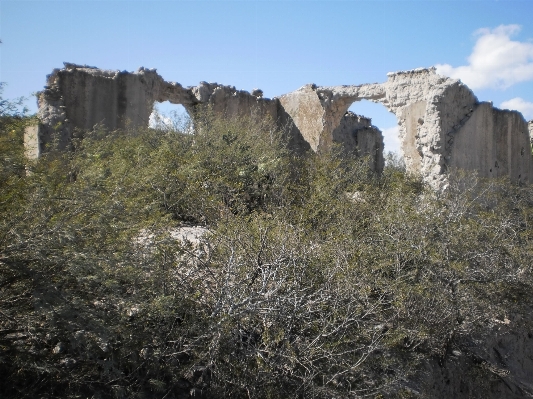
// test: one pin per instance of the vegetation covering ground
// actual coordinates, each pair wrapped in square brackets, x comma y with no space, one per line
[316,279]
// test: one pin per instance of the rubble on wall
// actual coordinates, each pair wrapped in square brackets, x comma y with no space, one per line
[228,101]
[442,126]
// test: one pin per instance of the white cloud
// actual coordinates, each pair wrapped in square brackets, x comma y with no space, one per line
[391,138]
[521,105]
[159,121]
[496,60]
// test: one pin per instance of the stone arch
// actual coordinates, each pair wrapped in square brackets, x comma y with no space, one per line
[321,116]
[430,110]
[166,115]
[442,125]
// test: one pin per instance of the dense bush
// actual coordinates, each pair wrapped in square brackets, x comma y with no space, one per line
[317,278]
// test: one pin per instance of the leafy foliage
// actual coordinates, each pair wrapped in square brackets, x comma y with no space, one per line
[315,278]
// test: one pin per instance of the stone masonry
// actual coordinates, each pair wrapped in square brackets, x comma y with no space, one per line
[443,127]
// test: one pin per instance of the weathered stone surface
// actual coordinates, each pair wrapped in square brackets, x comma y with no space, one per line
[230,102]
[320,115]
[191,238]
[308,114]
[432,113]
[359,137]
[442,126]
[79,97]
[493,142]
[413,96]
[31,141]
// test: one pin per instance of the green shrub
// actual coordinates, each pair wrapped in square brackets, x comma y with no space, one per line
[317,278]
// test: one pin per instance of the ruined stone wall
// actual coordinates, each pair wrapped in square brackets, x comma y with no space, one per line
[495,143]
[432,113]
[413,96]
[80,97]
[448,106]
[318,111]
[441,123]
[228,101]
[307,113]
[359,138]
[31,142]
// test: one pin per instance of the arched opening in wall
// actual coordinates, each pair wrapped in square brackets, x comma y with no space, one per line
[167,116]
[377,115]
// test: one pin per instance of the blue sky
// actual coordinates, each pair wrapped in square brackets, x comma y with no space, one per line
[277,46]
